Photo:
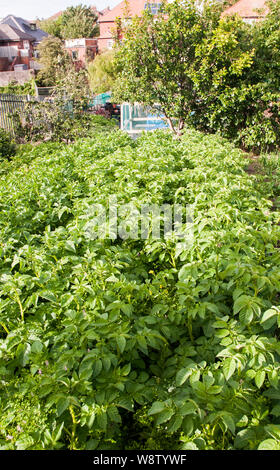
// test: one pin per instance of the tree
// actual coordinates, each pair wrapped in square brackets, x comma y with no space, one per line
[54,60]
[267,44]
[102,72]
[62,117]
[157,58]
[222,78]
[52,27]
[215,73]
[79,22]
[74,86]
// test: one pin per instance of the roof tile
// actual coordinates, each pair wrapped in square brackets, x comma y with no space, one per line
[9,33]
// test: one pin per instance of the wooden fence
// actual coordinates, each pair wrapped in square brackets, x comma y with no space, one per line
[9,104]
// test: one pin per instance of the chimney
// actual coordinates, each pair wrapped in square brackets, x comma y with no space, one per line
[33,25]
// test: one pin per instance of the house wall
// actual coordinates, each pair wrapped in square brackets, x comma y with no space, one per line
[106,36]
[15,52]
[84,49]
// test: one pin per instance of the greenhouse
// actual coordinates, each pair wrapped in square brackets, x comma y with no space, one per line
[136,118]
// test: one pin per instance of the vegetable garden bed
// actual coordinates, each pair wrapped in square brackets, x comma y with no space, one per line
[138,344]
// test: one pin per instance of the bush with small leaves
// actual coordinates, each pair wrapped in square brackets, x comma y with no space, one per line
[7,145]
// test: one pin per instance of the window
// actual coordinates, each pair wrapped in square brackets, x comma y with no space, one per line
[110,43]
[75,55]
[33,26]
[153,7]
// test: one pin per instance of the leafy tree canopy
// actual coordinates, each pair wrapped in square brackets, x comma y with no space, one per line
[102,72]
[157,58]
[54,60]
[214,73]
[75,22]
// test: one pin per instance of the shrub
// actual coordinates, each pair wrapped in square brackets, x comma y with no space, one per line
[57,121]
[7,146]
[15,88]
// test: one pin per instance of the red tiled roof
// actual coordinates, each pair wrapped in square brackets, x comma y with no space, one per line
[247,8]
[104,12]
[136,7]
[55,16]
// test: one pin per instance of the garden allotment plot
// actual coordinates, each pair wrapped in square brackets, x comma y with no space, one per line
[138,343]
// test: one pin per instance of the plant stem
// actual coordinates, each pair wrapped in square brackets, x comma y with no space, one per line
[74,427]
[20,307]
[5,328]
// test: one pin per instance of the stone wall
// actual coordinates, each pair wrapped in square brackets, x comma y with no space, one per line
[20,76]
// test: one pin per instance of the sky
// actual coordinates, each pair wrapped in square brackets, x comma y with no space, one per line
[32,9]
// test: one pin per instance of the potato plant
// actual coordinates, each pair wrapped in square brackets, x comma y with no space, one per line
[124,344]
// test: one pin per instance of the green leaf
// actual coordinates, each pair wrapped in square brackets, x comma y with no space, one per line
[189,446]
[66,300]
[222,333]
[70,246]
[175,423]
[164,416]
[126,309]
[125,403]
[269,444]
[182,376]
[269,318]
[246,316]
[188,408]
[273,378]
[141,340]
[259,378]
[276,410]
[91,419]
[101,421]
[36,347]
[62,404]
[228,422]
[48,295]
[92,444]
[157,407]
[97,367]
[114,414]
[121,342]
[57,432]
[241,303]
[229,367]
[24,442]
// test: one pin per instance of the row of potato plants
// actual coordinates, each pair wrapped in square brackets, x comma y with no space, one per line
[148,344]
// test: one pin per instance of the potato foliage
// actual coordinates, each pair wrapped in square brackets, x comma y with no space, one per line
[113,344]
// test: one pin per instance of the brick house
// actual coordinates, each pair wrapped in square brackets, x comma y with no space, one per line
[16,48]
[248,10]
[81,50]
[29,28]
[107,21]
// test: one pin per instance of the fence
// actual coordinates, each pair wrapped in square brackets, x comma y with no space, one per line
[9,104]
